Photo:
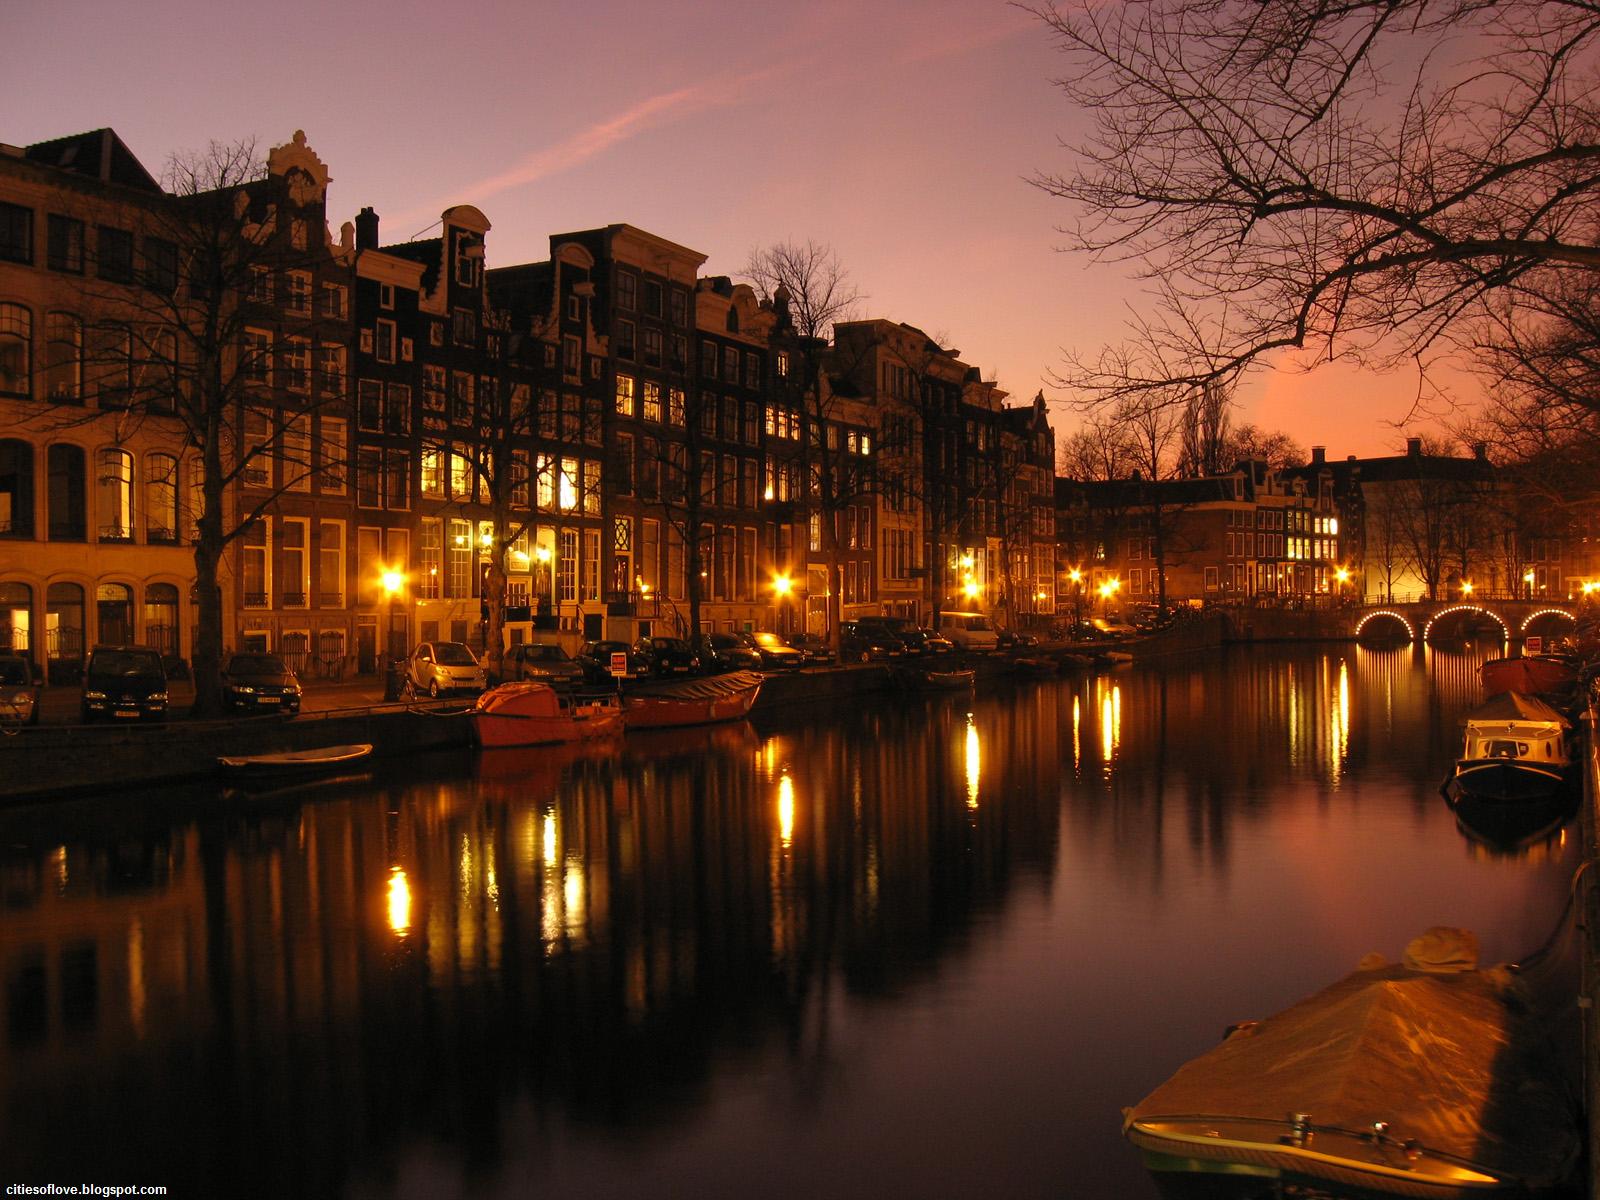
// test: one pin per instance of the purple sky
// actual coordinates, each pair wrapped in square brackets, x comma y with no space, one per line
[899,132]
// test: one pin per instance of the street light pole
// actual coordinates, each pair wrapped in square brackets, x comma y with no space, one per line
[1077,598]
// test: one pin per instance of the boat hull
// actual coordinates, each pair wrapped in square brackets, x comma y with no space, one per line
[494,731]
[1530,675]
[294,762]
[692,702]
[1503,782]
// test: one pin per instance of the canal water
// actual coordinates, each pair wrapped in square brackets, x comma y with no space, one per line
[929,947]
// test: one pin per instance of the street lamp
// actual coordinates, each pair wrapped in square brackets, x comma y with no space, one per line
[1077,598]
[394,582]
[541,554]
[782,585]
[1466,588]
[1527,578]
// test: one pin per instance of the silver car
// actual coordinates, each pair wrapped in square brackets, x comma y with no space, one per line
[19,694]
[440,667]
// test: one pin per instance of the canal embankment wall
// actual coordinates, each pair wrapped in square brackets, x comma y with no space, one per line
[1589,916]
[78,760]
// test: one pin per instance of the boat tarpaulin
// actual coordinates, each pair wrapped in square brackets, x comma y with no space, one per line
[705,687]
[1514,706]
[1450,1059]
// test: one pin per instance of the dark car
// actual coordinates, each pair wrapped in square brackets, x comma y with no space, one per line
[595,659]
[860,642]
[542,663]
[19,690]
[1012,639]
[814,646]
[934,642]
[124,683]
[729,652]
[895,629]
[260,683]
[668,655]
[776,654]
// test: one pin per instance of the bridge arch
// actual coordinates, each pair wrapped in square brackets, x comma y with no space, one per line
[1449,610]
[1546,612]
[1386,614]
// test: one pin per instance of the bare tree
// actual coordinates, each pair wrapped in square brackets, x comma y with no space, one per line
[212,338]
[1250,442]
[1207,432]
[1356,177]
[810,291]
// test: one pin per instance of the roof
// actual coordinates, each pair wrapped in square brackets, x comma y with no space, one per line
[98,154]
[428,251]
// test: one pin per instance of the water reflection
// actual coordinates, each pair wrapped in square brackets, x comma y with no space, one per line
[772,941]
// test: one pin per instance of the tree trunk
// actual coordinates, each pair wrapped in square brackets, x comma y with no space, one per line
[206,663]
[494,599]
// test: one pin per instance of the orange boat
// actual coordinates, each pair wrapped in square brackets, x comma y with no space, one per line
[1532,675]
[691,701]
[535,714]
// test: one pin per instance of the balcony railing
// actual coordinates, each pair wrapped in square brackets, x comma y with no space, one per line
[294,599]
[330,599]
[255,599]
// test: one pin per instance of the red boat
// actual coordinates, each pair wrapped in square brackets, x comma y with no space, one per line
[535,714]
[691,701]
[1531,675]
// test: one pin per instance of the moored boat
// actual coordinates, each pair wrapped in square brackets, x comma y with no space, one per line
[702,701]
[1034,666]
[535,714]
[294,762]
[1429,1078]
[936,679]
[1532,675]
[1514,752]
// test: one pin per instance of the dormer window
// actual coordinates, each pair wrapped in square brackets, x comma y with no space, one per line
[468,251]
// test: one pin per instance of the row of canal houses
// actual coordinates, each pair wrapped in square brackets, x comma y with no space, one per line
[604,443]
[601,443]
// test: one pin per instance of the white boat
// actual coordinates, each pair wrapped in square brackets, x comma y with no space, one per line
[1515,751]
[294,762]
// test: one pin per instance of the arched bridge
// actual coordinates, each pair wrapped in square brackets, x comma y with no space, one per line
[1419,620]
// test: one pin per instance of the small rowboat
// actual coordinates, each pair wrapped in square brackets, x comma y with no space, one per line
[294,762]
[691,701]
[935,679]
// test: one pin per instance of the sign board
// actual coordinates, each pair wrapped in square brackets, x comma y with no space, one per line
[1533,645]
[619,664]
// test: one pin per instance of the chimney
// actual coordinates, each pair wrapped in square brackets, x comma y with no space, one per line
[366,230]
[1480,451]
[1414,446]
[1319,455]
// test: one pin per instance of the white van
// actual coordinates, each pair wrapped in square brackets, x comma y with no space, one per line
[968,631]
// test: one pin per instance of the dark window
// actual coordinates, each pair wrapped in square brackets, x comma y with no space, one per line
[652,347]
[652,298]
[678,305]
[16,233]
[16,489]
[160,265]
[465,331]
[65,244]
[627,290]
[625,339]
[708,360]
[115,255]
[66,496]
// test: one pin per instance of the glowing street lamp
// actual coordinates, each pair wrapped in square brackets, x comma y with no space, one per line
[781,585]
[1077,598]
[1466,587]
[1527,578]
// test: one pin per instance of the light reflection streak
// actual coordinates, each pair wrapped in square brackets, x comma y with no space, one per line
[786,810]
[1339,743]
[974,762]
[574,896]
[399,902]
[550,837]
[1110,723]
[1077,733]
[136,990]
[464,869]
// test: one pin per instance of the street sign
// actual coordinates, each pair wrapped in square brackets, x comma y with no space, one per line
[619,664]
[1533,645]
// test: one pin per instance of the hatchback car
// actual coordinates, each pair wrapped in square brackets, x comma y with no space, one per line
[19,691]
[260,683]
[814,646]
[729,652]
[124,683]
[668,655]
[596,659]
[543,663]
[440,667]
[776,654]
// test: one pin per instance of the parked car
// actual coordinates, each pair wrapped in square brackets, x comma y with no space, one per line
[934,642]
[1014,639]
[895,629]
[544,663]
[440,667]
[1150,618]
[124,683]
[667,656]
[260,683]
[595,659]
[1076,631]
[19,691]
[814,646]
[728,652]
[776,654]
[968,630]
[868,643]
[1111,627]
